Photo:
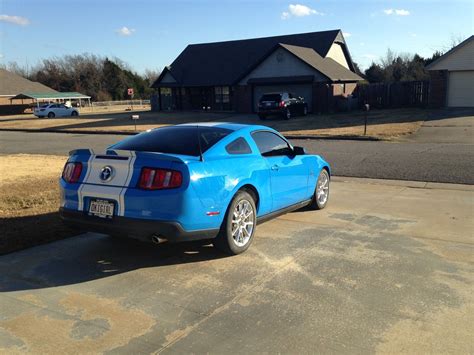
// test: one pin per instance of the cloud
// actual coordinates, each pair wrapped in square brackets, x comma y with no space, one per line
[346,34]
[1,56]
[16,20]
[298,10]
[125,31]
[397,12]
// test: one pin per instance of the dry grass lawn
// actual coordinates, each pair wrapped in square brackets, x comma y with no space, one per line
[29,201]
[382,124]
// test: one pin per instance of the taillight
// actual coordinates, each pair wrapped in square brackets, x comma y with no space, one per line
[158,179]
[282,104]
[72,172]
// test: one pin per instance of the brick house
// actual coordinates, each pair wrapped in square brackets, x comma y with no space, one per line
[232,75]
[452,77]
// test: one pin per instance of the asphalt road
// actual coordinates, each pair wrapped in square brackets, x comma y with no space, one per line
[383,269]
[408,160]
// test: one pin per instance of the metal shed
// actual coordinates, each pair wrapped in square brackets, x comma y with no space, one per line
[48,97]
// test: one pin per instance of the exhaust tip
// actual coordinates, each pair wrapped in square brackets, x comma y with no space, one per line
[157,239]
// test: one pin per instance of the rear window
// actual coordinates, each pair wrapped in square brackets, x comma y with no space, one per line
[271,97]
[174,140]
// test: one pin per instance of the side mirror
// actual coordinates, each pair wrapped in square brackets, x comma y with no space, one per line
[299,151]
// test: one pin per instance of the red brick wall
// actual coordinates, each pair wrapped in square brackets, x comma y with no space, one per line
[438,88]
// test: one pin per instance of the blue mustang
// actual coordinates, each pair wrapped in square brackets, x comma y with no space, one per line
[190,182]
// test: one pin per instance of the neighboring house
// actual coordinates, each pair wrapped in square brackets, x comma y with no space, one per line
[12,84]
[452,77]
[18,93]
[233,75]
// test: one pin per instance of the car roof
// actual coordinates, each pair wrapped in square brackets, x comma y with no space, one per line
[227,125]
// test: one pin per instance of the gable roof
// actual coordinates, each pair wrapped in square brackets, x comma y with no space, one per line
[223,63]
[12,84]
[449,53]
[326,66]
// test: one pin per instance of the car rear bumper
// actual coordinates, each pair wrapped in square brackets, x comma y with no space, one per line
[141,229]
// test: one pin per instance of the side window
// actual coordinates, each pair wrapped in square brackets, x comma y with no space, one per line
[269,144]
[53,106]
[291,96]
[284,96]
[238,146]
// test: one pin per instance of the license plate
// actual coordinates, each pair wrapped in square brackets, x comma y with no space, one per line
[101,208]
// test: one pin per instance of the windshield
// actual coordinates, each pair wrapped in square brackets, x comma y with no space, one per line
[181,140]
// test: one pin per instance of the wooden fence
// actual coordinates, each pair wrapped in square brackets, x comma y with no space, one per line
[392,95]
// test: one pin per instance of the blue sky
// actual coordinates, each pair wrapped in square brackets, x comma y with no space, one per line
[150,34]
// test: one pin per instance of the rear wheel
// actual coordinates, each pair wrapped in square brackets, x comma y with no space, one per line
[239,225]
[321,192]
[74,113]
[262,116]
[51,115]
[305,110]
[287,114]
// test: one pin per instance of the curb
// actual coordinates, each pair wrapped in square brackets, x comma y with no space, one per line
[128,133]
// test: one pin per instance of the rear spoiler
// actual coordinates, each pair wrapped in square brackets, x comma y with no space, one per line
[115,154]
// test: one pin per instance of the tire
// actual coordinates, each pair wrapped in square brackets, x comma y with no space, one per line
[74,113]
[321,191]
[262,117]
[51,115]
[237,242]
[287,114]
[305,110]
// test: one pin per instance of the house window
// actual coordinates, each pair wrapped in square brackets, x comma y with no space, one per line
[165,91]
[221,94]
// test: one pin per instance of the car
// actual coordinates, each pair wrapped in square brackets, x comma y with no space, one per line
[283,104]
[55,110]
[203,181]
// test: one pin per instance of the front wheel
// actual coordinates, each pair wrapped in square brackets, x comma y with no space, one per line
[321,192]
[51,115]
[239,225]
[74,113]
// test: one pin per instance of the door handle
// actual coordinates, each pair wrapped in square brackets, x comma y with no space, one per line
[275,167]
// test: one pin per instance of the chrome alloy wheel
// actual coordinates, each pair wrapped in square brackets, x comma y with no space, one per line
[243,222]
[322,190]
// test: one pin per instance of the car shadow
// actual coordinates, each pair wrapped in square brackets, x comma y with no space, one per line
[91,256]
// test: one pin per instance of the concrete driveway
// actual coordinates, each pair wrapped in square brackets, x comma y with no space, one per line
[387,267]
[453,126]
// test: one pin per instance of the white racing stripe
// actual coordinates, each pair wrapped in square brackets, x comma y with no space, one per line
[80,196]
[93,186]
[131,163]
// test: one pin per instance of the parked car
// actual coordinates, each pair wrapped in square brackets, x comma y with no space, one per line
[284,104]
[55,110]
[193,181]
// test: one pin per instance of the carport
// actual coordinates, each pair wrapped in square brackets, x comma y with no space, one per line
[49,97]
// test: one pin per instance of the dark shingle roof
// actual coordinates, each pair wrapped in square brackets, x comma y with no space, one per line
[12,84]
[326,66]
[223,63]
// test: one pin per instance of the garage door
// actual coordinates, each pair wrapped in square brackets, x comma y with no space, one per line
[461,89]
[304,90]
